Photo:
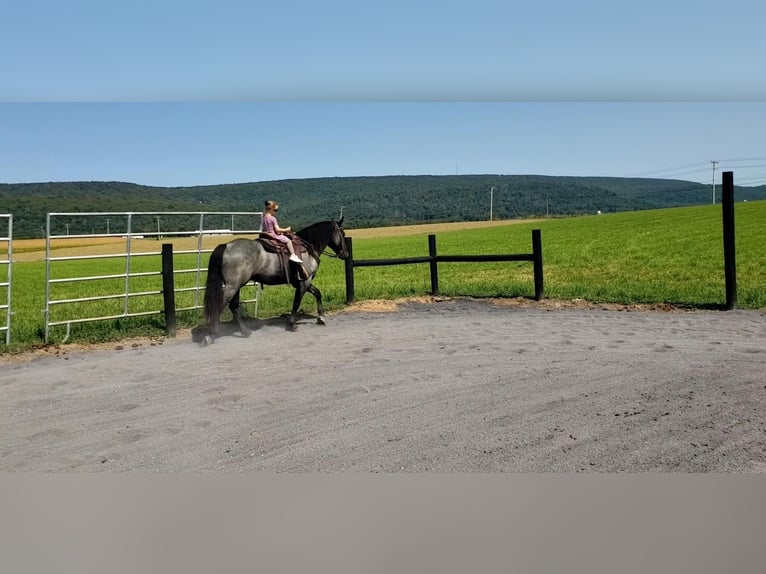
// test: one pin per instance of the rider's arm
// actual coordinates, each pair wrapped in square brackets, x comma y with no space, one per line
[279,229]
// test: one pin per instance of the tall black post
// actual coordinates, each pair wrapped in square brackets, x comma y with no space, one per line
[729,239]
[168,289]
[433,264]
[537,252]
[349,264]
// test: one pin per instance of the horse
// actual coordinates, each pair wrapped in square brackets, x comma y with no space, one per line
[235,263]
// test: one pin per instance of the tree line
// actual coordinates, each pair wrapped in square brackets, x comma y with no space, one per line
[366,201]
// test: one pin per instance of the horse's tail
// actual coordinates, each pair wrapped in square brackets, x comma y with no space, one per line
[214,287]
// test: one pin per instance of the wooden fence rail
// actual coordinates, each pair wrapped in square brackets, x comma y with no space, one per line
[433,259]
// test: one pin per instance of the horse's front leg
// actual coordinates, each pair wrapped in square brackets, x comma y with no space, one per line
[320,309]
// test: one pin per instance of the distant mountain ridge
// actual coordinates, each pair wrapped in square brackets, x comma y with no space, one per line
[369,201]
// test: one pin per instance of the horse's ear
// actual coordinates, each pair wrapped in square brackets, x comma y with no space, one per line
[340,221]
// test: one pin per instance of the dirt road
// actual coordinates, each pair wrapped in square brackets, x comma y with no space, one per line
[457,385]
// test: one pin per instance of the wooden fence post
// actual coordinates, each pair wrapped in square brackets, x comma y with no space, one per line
[537,252]
[433,264]
[729,239]
[349,263]
[168,289]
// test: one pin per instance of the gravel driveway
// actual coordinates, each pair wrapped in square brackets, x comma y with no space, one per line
[441,386]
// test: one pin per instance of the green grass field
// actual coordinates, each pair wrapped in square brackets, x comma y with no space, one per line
[672,256]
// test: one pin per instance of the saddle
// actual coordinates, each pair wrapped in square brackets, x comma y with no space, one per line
[293,272]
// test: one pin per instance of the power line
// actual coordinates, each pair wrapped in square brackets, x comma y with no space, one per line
[748,166]
[672,170]
[744,159]
[695,166]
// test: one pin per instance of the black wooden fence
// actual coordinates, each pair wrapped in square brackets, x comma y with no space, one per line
[433,259]
[729,239]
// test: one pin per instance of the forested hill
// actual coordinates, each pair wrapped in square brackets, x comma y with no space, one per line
[366,201]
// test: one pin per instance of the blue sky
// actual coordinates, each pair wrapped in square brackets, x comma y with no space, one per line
[191,93]
[172,144]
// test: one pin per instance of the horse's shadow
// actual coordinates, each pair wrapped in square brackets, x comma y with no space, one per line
[231,329]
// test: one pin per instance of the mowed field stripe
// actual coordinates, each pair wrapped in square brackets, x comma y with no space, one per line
[34,249]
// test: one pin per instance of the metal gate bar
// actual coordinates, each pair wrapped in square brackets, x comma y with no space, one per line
[7,284]
[128,235]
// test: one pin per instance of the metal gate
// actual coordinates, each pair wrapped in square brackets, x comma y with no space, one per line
[7,263]
[127,245]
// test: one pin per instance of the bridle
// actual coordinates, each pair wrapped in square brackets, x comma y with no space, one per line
[324,251]
[329,253]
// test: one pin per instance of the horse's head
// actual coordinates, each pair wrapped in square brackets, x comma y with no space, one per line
[338,239]
[326,234]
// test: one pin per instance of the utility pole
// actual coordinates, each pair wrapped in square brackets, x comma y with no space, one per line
[491,200]
[715,163]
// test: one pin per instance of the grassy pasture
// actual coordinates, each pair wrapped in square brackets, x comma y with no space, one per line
[672,256]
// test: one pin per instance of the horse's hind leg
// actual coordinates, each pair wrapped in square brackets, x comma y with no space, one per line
[234,305]
[300,290]
[229,295]
[320,309]
[213,326]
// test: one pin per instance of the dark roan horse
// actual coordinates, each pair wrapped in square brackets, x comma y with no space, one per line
[237,262]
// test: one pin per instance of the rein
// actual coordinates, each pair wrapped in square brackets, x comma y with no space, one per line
[312,249]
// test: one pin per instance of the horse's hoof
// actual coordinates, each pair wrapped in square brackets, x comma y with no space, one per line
[246,333]
[321,320]
[206,340]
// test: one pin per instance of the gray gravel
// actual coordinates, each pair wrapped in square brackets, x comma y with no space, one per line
[450,386]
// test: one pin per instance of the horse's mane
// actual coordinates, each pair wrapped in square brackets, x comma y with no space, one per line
[317,235]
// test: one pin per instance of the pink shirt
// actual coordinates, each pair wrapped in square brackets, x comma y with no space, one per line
[270,226]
